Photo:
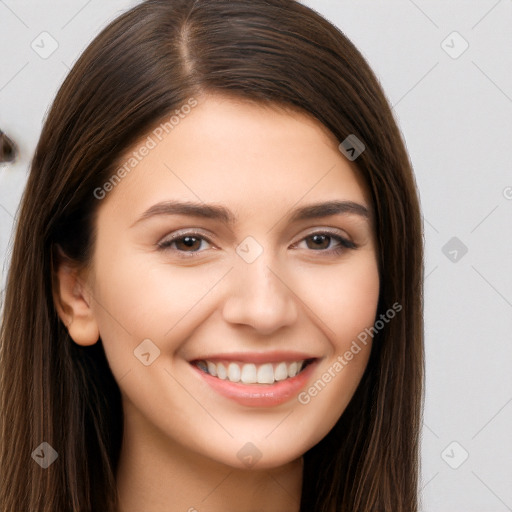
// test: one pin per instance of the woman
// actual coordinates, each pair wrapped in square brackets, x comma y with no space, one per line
[215,295]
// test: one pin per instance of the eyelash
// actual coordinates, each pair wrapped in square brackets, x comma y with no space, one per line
[343,245]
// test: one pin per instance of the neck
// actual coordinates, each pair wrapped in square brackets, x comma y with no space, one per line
[156,474]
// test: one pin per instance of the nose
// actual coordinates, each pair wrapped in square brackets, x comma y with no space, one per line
[260,297]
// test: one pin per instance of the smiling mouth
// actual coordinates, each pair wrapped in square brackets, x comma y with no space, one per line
[249,373]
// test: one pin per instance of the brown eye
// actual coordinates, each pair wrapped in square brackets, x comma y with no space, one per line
[322,242]
[319,241]
[184,244]
[188,242]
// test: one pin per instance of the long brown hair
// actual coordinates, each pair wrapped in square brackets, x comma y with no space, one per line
[143,66]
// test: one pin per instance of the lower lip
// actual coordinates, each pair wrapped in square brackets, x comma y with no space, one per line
[260,395]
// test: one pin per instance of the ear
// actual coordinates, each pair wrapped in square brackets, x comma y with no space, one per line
[73,302]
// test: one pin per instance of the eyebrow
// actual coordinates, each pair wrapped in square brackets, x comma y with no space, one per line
[226,216]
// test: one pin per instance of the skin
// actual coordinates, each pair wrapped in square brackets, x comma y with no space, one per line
[181,437]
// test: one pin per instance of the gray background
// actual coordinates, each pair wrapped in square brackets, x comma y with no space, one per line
[455,111]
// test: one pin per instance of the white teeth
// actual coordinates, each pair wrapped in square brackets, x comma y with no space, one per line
[266,374]
[249,373]
[292,369]
[234,372]
[281,372]
[212,370]
[221,371]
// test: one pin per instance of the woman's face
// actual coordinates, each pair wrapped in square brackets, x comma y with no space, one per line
[245,279]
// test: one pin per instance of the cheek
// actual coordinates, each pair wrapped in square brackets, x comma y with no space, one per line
[346,302]
[138,299]
[344,299]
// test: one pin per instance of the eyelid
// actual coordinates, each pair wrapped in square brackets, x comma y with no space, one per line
[344,241]
[183,233]
[326,231]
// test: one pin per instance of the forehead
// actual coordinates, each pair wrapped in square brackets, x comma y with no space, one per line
[238,152]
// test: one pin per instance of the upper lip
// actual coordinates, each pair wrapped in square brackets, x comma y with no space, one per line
[257,357]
